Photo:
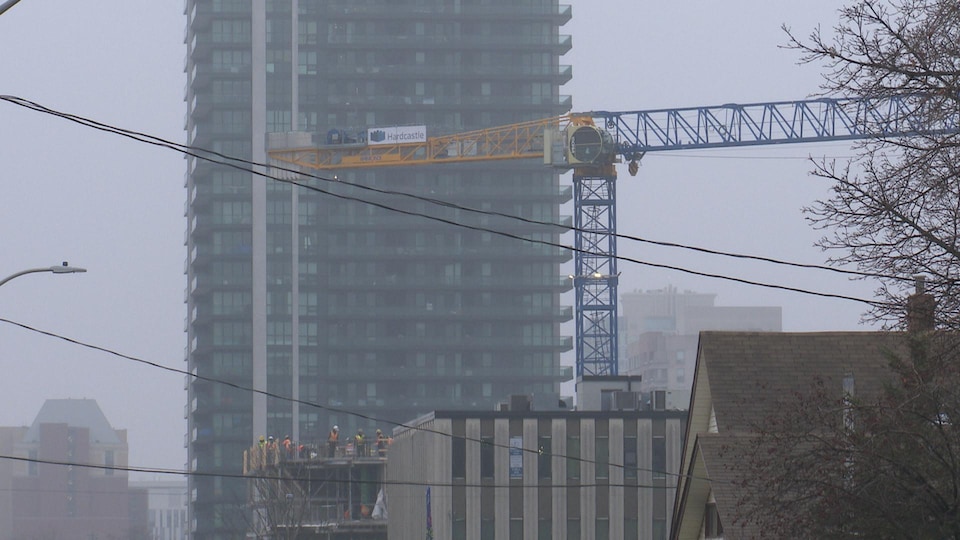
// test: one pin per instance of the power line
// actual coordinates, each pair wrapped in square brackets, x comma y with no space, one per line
[200,154]
[204,154]
[300,401]
[288,477]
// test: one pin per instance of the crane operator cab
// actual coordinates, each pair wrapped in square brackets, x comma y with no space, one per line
[589,145]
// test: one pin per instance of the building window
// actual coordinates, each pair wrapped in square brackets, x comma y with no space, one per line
[573,458]
[486,457]
[711,522]
[630,458]
[544,529]
[516,528]
[603,529]
[487,529]
[545,457]
[573,529]
[108,462]
[459,457]
[659,529]
[659,457]
[459,528]
[602,458]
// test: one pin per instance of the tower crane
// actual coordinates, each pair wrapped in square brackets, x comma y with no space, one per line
[591,144]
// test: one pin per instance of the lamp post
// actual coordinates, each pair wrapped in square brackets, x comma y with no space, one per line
[7,5]
[63,268]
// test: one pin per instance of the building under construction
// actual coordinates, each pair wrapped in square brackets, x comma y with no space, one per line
[304,493]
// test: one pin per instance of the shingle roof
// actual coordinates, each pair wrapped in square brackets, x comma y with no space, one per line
[742,376]
[84,413]
[749,372]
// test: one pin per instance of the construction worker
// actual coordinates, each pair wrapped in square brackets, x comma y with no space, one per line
[332,440]
[381,444]
[287,447]
[271,450]
[261,451]
[360,443]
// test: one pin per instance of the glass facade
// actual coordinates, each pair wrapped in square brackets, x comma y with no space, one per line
[336,299]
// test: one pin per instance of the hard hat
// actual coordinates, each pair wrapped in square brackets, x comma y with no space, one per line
[336,428]
[270,438]
[359,430]
[262,438]
[378,431]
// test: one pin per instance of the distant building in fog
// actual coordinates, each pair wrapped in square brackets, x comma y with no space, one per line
[45,499]
[166,507]
[660,331]
[9,437]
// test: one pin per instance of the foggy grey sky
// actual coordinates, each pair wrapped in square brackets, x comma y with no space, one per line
[116,207]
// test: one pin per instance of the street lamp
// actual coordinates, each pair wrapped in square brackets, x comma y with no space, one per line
[63,268]
[4,7]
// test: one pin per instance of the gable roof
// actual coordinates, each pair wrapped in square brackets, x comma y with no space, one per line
[83,413]
[748,371]
[741,376]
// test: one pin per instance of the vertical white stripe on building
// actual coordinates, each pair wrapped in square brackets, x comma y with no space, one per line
[617,510]
[559,474]
[258,115]
[531,472]
[295,232]
[501,476]
[472,432]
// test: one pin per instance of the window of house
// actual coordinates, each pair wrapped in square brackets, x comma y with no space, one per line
[712,528]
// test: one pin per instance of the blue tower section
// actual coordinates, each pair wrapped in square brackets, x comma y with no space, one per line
[595,281]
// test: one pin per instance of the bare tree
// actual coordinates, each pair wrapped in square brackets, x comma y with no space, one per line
[895,209]
[845,463]
[280,505]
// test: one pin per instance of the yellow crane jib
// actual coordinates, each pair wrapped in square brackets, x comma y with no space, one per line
[568,141]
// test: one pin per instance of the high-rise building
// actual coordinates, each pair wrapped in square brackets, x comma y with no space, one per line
[662,330]
[332,300]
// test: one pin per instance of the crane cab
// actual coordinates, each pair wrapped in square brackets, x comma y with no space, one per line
[589,145]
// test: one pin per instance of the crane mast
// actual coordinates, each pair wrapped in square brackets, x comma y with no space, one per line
[591,144]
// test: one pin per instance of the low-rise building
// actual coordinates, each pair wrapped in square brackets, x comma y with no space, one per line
[521,473]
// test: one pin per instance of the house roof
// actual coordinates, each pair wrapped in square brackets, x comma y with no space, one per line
[83,413]
[749,372]
[739,381]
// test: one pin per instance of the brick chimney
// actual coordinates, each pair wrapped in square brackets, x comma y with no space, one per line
[920,308]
